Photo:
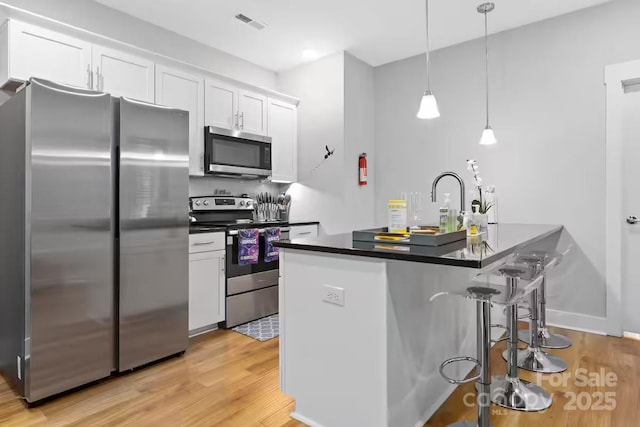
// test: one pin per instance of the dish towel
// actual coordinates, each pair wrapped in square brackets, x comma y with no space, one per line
[271,253]
[248,246]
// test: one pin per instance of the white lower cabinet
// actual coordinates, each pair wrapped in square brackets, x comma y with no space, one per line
[304,231]
[207,287]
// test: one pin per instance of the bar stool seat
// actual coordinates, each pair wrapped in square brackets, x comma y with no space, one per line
[509,390]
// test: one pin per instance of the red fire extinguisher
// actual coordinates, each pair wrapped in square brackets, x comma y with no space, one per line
[362,165]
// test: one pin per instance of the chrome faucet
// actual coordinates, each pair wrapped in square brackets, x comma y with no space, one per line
[460,181]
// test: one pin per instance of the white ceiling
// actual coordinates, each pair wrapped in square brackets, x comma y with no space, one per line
[376,31]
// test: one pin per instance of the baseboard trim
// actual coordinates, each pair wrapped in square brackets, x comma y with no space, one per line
[578,322]
[631,335]
[298,417]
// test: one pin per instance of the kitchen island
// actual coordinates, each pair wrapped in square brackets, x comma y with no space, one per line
[361,343]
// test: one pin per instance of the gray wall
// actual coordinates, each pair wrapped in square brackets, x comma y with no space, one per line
[320,88]
[359,113]
[548,112]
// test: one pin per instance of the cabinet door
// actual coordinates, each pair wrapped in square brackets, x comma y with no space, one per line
[283,129]
[206,289]
[178,89]
[220,104]
[122,74]
[253,112]
[36,52]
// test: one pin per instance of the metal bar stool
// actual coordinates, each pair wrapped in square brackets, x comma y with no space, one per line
[510,391]
[546,339]
[482,296]
[533,358]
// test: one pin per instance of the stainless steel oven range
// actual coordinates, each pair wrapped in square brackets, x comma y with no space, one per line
[252,289]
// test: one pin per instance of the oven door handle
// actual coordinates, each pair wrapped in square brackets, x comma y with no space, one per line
[261,231]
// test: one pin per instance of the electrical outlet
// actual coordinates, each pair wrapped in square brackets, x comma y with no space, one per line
[333,295]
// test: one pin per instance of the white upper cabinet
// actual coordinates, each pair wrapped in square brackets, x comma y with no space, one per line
[283,129]
[221,104]
[122,74]
[252,109]
[179,89]
[30,51]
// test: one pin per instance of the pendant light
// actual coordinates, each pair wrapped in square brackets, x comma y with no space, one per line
[488,137]
[428,105]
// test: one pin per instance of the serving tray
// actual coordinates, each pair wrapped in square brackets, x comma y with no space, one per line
[382,235]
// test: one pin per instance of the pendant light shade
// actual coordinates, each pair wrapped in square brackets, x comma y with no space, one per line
[428,105]
[488,137]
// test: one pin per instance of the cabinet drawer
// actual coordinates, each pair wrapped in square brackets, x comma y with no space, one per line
[206,242]
[304,232]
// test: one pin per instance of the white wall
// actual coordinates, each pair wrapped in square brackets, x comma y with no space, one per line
[548,112]
[336,110]
[119,26]
[95,17]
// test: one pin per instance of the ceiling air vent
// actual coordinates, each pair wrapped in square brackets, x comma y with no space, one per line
[252,22]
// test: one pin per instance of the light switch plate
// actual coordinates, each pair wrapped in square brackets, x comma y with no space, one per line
[333,295]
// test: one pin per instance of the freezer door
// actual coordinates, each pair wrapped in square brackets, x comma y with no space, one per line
[69,297]
[154,233]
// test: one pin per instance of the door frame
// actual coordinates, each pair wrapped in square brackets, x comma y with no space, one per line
[615,77]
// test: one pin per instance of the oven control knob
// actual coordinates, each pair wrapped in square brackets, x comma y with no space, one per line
[241,203]
[248,203]
[206,203]
[197,202]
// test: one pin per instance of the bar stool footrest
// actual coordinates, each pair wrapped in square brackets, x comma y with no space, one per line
[458,360]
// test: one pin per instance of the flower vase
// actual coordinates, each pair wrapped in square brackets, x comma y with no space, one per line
[484,222]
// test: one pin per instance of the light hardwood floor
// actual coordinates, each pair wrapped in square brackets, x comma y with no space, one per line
[227,379]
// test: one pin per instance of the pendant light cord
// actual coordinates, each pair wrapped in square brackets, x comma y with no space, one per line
[486,57]
[427,27]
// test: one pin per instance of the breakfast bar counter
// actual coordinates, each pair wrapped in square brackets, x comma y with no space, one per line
[360,341]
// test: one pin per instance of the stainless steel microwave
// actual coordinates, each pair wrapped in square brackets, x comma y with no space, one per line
[236,154]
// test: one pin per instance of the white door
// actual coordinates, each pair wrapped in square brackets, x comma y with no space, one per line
[283,129]
[221,104]
[122,74]
[36,52]
[206,289]
[623,196]
[253,112]
[177,89]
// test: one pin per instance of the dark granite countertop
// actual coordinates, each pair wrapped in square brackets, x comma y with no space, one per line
[500,241]
[198,229]
[201,228]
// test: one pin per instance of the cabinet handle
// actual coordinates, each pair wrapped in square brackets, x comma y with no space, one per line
[236,122]
[224,262]
[304,233]
[203,243]
[89,77]
[242,117]
[98,78]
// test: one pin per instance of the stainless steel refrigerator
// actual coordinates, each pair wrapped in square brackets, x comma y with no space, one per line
[93,236]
